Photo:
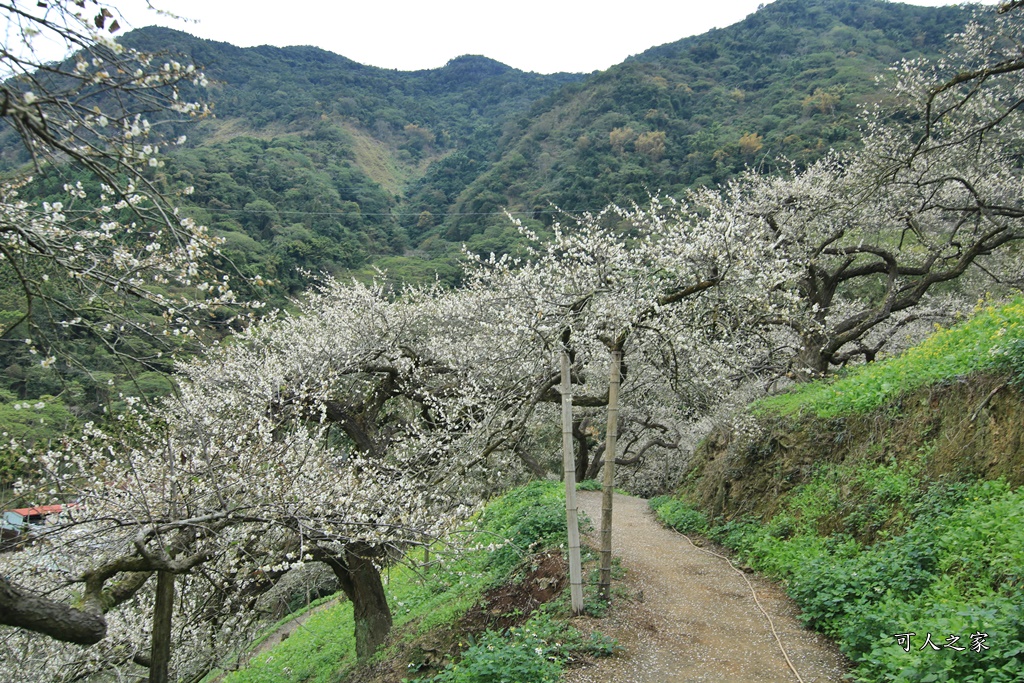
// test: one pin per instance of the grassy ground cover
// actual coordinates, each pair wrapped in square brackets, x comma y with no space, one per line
[430,606]
[916,579]
[991,339]
[946,561]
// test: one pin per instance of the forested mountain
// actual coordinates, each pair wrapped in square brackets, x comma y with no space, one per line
[317,162]
[309,156]
[786,81]
[313,162]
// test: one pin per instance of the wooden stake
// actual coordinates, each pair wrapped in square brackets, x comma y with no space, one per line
[569,468]
[611,437]
[160,654]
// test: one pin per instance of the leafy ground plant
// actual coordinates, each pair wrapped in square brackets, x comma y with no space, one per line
[532,653]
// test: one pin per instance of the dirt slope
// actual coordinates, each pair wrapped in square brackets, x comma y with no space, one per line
[692,617]
[962,429]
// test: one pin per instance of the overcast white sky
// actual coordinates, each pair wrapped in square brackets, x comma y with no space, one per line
[533,35]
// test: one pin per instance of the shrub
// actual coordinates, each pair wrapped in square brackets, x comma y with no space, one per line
[676,514]
[533,653]
[1009,357]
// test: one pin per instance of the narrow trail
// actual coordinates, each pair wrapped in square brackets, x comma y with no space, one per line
[686,615]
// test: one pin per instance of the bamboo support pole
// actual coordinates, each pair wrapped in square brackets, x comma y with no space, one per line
[569,468]
[611,438]
[160,653]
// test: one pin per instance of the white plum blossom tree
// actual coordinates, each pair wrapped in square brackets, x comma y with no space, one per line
[674,291]
[392,400]
[108,255]
[662,300]
[369,421]
[879,237]
[90,579]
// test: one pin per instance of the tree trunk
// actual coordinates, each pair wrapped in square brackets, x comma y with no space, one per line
[579,432]
[362,584]
[811,362]
[160,654]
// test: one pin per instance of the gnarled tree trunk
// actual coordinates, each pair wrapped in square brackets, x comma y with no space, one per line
[361,582]
[811,362]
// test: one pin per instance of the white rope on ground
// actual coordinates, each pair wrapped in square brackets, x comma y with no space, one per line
[753,593]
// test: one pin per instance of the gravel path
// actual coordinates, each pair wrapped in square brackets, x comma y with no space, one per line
[689,616]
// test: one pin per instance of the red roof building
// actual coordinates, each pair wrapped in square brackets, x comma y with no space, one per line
[41,510]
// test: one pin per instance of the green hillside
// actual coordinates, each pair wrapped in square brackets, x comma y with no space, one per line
[786,81]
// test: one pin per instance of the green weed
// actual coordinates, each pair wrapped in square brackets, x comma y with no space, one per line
[676,514]
[533,653]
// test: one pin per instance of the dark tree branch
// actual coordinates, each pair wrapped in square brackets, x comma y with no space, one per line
[23,609]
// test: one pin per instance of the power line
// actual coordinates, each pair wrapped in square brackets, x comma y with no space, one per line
[297,212]
[393,213]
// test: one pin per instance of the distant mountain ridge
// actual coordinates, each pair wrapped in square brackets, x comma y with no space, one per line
[271,83]
[787,80]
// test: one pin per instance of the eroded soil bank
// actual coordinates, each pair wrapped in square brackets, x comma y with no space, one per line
[964,429]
